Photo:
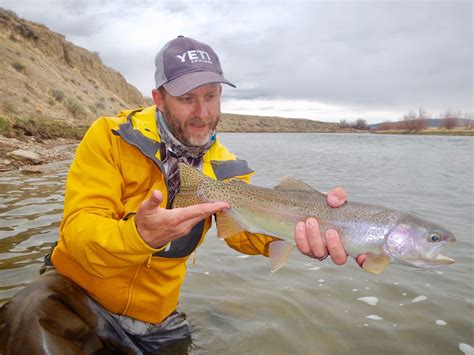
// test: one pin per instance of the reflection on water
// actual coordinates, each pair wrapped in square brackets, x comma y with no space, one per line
[30,213]
[236,305]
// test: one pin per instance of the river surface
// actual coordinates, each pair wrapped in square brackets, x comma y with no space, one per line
[237,306]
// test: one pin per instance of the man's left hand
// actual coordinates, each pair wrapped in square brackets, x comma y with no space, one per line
[310,241]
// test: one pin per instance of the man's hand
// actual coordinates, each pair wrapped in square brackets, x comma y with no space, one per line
[310,242]
[157,226]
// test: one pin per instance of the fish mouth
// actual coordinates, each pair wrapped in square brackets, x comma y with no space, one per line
[442,260]
[439,259]
[431,262]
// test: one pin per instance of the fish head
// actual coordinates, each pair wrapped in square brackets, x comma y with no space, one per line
[416,242]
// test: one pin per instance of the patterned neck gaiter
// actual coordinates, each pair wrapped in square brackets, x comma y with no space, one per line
[173,151]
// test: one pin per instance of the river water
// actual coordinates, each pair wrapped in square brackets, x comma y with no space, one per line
[237,306]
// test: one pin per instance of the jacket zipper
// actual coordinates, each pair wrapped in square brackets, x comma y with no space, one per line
[130,290]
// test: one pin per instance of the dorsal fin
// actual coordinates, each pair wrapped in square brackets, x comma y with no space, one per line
[291,184]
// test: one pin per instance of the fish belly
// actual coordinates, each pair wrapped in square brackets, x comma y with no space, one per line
[279,224]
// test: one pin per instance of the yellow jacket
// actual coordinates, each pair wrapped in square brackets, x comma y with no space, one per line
[116,167]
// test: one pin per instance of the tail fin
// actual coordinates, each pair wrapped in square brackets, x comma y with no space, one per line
[190,180]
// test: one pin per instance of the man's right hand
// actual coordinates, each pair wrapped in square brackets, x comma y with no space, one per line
[157,226]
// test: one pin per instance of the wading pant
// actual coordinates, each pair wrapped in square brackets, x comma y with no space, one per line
[53,315]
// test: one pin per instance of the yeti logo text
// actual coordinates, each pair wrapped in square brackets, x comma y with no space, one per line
[195,56]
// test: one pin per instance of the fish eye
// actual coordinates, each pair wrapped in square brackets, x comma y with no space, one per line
[434,237]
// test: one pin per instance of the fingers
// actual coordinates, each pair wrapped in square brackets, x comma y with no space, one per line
[187,217]
[301,240]
[315,240]
[151,205]
[308,239]
[156,198]
[200,211]
[336,197]
[360,259]
[335,248]
[311,243]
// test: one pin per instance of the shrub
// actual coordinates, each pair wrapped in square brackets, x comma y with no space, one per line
[343,124]
[360,124]
[8,108]
[58,95]
[4,125]
[75,108]
[415,122]
[20,68]
[450,120]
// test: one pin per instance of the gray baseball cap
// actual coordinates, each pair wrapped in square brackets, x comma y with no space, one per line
[183,64]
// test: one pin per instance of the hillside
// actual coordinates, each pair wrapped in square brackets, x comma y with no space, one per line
[42,74]
[244,123]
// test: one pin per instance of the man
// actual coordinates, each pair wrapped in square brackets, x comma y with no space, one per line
[120,260]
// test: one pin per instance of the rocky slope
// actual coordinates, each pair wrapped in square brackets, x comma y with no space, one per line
[42,74]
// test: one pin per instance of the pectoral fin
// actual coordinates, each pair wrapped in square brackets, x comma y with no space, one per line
[279,250]
[227,226]
[376,264]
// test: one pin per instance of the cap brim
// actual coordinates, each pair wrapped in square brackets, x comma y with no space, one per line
[187,82]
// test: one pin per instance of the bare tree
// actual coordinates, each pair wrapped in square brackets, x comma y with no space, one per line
[385,126]
[415,122]
[408,121]
[343,124]
[450,119]
[469,121]
[360,124]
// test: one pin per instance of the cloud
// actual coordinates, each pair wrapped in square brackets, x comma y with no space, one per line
[362,58]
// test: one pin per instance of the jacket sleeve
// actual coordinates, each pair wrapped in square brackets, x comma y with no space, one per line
[92,229]
[250,243]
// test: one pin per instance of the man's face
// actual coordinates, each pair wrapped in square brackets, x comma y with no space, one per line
[193,116]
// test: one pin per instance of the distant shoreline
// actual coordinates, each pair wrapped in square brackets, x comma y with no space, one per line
[57,148]
[428,132]
[431,132]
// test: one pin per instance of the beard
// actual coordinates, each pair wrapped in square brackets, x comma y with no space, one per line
[182,132]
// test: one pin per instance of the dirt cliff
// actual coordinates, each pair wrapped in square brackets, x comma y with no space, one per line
[42,74]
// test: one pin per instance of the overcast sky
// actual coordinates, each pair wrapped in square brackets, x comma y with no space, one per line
[324,60]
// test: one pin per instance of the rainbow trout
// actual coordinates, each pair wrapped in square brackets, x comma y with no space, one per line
[385,235]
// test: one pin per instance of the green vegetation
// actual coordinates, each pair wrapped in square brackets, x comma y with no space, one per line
[4,126]
[40,128]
